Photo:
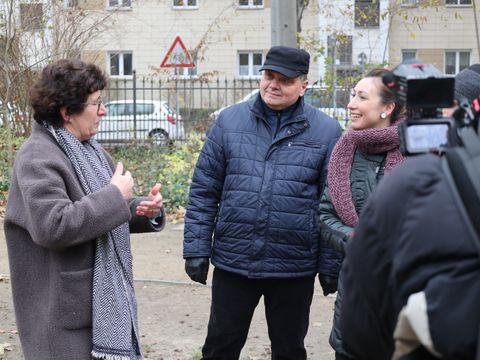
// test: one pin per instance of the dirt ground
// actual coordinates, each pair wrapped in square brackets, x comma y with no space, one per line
[173,311]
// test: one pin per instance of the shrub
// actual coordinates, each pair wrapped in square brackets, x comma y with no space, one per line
[9,144]
[173,168]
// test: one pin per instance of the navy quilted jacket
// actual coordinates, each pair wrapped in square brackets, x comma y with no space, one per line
[259,195]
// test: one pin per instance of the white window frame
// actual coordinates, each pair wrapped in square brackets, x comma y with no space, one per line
[186,6]
[121,66]
[458,4]
[457,59]
[119,5]
[251,5]
[409,3]
[415,51]
[251,73]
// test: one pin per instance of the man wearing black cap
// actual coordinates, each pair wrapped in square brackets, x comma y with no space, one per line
[256,188]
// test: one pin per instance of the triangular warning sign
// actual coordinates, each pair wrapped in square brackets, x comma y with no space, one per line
[178,55]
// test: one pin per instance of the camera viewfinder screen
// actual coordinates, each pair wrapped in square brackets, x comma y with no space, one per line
[431,92]
[421,138]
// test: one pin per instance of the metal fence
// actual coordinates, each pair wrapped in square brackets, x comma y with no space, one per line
[162,111]
[165,111]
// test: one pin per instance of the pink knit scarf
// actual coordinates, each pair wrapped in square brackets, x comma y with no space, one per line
[372,141]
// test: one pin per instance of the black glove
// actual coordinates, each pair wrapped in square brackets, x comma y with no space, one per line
[328,283]
[197,268]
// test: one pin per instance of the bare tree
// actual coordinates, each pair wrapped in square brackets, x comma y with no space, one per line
[301,5]
[33,34]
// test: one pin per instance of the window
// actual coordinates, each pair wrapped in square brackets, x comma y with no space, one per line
[31,16]
[247,4]
[71,3]
[458,2]
[340,46]
[367,13]
[409,55]
[185,4]
[456,61]
[249,63]
[120,63]
[409,2]
[119,3]
[145,108]
[188,72]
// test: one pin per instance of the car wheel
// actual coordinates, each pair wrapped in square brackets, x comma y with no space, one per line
[160,137]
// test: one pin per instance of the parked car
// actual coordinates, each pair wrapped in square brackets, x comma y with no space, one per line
[213,116]
[142,120]
[313,96]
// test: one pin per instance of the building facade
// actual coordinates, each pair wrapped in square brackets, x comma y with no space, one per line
[445,35]
[355,33]
[225,38]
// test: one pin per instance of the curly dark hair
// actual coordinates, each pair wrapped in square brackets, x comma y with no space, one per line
[387,95]
[64,83]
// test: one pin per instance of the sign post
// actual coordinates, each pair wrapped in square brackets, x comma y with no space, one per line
[177,56]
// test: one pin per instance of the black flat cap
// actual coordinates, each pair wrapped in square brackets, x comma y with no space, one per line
[288,61]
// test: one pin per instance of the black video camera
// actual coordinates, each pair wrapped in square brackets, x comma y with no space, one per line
[425,91]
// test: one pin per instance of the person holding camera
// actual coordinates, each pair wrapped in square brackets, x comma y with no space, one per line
[412,270]
[369,148]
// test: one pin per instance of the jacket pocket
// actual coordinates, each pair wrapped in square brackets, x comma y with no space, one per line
[76,288]
[307,154]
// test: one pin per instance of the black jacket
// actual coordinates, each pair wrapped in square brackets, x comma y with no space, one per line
[411,238]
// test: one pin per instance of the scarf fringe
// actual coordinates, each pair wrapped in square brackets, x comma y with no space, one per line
[103,356]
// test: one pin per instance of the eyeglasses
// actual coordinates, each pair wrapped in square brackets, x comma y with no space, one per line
[97,103]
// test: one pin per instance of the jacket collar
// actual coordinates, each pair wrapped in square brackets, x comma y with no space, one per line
[259,110]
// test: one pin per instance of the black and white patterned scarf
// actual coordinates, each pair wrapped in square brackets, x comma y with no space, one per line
[114,318]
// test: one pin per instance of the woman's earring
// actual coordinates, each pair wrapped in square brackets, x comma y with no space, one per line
[383,115]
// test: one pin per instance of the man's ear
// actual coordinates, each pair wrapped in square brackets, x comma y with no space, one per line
[65,114]
[304,87]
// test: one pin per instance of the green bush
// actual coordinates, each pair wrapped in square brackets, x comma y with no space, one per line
[173,168]
[9,144]
[197,120]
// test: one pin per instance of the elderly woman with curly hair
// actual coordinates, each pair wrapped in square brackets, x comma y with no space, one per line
[69,214]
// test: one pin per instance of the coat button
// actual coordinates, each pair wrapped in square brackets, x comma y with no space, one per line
[289,132]
[305,124]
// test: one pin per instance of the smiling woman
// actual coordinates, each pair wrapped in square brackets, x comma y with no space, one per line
[369,148]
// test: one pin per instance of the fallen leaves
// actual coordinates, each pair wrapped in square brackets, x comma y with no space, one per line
[177,216]
[5,347]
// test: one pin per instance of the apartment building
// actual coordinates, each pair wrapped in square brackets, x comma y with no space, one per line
[355,32]
[226,38]
[445,35]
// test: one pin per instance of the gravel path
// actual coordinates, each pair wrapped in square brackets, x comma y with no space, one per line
[173,311]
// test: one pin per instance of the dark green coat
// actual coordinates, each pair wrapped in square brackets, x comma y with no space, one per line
[367,170]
